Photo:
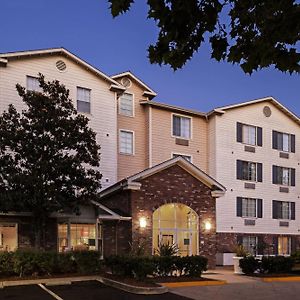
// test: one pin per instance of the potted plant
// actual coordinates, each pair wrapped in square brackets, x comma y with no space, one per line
[240,253]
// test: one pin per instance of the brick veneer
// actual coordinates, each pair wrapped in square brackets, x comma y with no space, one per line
[227,242]
[172,185]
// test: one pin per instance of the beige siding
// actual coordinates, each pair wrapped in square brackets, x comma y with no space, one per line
[103,103]
[131,164]
[228,151]
[163,143]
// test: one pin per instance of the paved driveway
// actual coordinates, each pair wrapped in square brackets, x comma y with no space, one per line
[88,290]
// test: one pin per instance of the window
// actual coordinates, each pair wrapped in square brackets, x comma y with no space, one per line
[283,141]
[283,210]
[83,100]
[187,157]
[249,134]
[284,176]
[83,237]
[249,207]
[33,84]
[182,127]
[284,245]
[247,170]
[126,142]
[126,105]
[250,244]
[8,237]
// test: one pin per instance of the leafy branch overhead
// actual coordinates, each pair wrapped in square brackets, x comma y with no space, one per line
[255,34]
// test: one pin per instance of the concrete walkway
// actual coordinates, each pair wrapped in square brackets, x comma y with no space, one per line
[240,287]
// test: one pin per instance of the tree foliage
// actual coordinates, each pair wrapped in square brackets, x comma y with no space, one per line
[48,156]
[255,34]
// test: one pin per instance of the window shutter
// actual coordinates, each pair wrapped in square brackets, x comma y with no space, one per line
[275,174]
[293,210]
[259,172]
[259,208]
[239,169]
[239,239]
[239,206]
[239,132]
[275,209]
[260,245]
[293,175]
[259,136]
[275,245]
[293,244]
[293,147]
[274,139]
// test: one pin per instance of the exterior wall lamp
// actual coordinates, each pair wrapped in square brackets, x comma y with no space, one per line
[143,222]
[207,226]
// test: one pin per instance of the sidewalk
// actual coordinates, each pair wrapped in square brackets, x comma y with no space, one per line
[228,276]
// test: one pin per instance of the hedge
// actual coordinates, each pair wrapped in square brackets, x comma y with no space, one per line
[268,264]
[30,263]
[142,266]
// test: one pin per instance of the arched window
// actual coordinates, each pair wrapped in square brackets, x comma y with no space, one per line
[176,224]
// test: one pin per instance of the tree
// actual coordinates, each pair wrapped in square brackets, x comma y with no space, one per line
[253,33]
[48,156]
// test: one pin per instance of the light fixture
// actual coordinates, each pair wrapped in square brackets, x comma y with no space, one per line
[207,225]
[143,222]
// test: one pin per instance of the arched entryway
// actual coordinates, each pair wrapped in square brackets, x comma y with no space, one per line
[176,223]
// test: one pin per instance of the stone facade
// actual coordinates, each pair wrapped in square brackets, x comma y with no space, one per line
[171,185]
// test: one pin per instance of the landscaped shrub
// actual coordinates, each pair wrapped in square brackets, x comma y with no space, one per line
[249,264]
[28,263]
[268,264]
[140,267]
[167,250]
[87,262]
[6,263]
[276,264]
[296,257]
[195,265]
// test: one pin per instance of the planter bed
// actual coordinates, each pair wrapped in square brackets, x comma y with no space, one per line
[32,277]
[180,279]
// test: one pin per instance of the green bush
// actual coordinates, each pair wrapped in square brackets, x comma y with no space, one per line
[6,264]
[249,264]
[194,265]
[87,262]
[276,264]
[296,257]
[268,264]
[141,267]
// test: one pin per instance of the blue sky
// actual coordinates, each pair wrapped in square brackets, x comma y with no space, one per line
[114,45]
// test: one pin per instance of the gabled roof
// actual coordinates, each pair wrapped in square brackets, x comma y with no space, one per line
[148,91]
[133,183]
[108,214]
[174,108]
[222,109]
[4,57]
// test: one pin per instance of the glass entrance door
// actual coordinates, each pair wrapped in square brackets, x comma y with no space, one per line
[176,224]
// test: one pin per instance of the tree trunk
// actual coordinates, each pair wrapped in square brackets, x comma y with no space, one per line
[39,228]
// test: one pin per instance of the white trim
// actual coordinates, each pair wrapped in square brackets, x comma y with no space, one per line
[150,136]
[186,165]
[133,104]
[183,154]
[129,74]
[191,126]
[133,141]
[66,53]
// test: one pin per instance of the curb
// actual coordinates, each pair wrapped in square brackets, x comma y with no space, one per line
[281,279]
[134,289]
[194,283]
[47,281]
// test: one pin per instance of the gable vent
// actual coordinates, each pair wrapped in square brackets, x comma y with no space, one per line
[61,65]
[126,82]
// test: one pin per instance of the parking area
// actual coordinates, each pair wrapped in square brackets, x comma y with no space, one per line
[256,289]
[87,290]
